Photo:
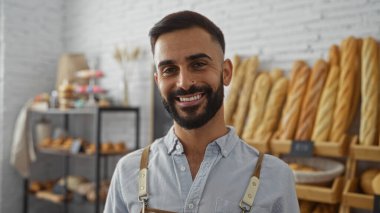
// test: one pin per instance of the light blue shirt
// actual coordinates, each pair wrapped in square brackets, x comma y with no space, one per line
[219,185]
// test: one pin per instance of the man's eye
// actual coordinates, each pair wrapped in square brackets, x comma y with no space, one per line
[198,65]
[169,71]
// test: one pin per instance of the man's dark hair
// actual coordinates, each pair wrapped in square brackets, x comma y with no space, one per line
[184,20]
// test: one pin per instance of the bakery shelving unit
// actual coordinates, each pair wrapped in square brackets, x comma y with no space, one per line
[97,113]
[320,194]
[352,198]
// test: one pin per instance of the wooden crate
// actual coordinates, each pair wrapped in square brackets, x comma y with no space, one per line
[355,199]
[363,152]
[331,195]
[261,144]
[321,148]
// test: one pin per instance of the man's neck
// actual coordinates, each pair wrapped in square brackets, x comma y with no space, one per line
[195,141]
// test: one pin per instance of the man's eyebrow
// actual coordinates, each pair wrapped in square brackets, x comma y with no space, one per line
[165,62]
[197,56]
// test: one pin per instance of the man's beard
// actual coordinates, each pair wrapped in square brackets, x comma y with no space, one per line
[192,120]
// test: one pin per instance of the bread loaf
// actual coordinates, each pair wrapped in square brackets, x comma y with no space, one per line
[291,112]
[325,114]
[334,56]
[369,91]
[343,107]
[366,180]
[357,86]
[310,103]
[236,85]
[245,95]
[276,74]
[257,104]
[376,184]
[298,64]
[273,108]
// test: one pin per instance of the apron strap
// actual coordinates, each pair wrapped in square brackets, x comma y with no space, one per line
[250,193]
[143,191]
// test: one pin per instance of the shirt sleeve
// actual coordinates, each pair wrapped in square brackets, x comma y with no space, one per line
[115,202]
[288,202]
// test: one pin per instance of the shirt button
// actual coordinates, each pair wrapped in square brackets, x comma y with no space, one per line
[178,147]
[183,168]
[191,206]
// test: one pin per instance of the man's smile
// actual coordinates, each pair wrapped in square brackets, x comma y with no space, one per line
[189,100]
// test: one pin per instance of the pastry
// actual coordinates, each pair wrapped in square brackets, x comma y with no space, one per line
[291,112]
[90,149]
[370,88]
[257,104]
[366,180]
[106,148]
[310,102]
[273,108]
[245,95]
[349,63]
[46,143]
[324,118]
[236,86]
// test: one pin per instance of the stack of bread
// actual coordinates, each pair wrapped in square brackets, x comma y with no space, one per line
[66,95]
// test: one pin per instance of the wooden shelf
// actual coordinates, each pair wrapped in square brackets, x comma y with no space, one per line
[330,195]
[352,198]
[321,148]
[363,152]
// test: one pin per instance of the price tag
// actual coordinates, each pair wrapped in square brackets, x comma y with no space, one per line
[376,204]
[302,148]
[76,147]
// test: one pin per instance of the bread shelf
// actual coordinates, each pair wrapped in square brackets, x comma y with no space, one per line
[355,199]
[67,153]
[260,144]
[50,196]
[363,152]
[327,149]
[331,195]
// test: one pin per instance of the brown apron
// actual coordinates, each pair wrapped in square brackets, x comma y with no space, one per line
[245,204]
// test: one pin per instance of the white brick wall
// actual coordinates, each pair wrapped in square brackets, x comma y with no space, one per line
[279,31]
[32,34]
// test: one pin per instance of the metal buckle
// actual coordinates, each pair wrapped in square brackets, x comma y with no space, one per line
[144,201]
[245,207]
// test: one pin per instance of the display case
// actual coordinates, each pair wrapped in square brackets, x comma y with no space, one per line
[74,152]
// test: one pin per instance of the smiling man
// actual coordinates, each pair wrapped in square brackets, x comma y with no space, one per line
[201,165]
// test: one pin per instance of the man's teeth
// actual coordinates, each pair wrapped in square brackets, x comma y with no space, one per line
[193,98]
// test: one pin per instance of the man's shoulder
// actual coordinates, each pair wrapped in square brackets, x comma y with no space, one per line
[133,159]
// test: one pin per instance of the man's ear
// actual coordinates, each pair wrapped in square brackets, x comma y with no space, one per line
[156,77]
[227,72]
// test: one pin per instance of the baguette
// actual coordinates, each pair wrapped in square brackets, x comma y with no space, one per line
[245,95]
[310,103]
[291,112]
[273,107]
[342,110]
[236,85]
[334,56]
[276,74]
[258,101]
[295,69]
[324,119]
[357,85]
[369,90]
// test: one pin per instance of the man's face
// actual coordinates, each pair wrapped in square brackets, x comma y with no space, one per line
[189,76]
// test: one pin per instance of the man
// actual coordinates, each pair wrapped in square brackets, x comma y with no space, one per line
[201,165]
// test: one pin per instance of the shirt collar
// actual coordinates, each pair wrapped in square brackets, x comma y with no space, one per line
[225,143]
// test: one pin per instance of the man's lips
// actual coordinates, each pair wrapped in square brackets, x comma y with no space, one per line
[189,100]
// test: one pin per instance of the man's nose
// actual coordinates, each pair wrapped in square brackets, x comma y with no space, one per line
[185,80]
